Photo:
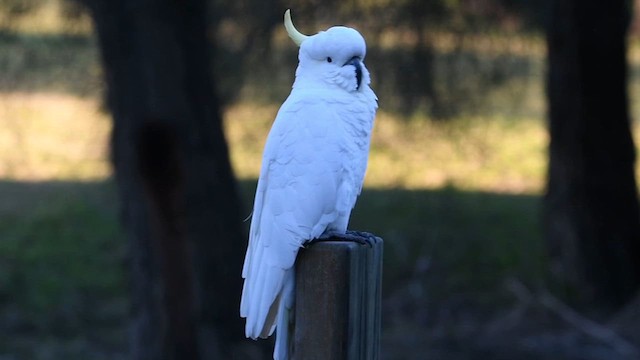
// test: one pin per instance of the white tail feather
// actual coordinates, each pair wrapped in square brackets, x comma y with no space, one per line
[285,315]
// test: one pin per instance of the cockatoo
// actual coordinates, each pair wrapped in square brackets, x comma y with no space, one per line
[313,168]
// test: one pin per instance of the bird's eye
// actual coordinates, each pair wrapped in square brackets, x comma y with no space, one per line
[329,59]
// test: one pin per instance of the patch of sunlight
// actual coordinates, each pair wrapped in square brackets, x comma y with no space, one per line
[50,136]
[47,17]
[246,128]
[490,154]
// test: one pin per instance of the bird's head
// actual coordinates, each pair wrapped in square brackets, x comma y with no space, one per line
[334,57]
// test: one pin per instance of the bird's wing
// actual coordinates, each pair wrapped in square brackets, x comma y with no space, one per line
[295,201]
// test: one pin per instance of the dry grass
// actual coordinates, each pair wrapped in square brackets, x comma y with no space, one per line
[46,17]
[61,137]
[498,155]
[52,136]
[48,136]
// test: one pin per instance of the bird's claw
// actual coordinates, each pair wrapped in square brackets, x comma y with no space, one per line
[360,237]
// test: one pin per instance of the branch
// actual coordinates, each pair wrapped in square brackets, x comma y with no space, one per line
[588,327]
[576,320]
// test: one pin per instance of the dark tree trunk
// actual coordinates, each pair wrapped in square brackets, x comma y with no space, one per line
[591,205]
[179,201]
[417,86]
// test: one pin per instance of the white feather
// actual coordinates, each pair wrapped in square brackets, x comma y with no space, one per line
[313,168]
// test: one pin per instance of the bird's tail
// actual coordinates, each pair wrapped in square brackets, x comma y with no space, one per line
[286,314]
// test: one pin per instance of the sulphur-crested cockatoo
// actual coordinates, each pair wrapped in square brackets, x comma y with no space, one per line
[313,168]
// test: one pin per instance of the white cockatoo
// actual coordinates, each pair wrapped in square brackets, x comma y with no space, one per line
[313,168]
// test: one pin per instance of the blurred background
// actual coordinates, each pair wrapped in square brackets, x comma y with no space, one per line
[455,184]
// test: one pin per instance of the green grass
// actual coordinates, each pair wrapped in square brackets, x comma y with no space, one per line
[451,242]
[62,274]
[61,251]
[476,238]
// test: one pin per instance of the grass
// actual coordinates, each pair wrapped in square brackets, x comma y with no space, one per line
[63,137]
[58,63]
[62,274]
[434,191]
[485,154]
[445,231]
[43,17]
[52,136]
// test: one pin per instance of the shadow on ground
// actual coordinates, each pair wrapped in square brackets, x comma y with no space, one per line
[450,256]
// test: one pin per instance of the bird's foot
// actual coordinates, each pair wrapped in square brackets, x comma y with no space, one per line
[360,237]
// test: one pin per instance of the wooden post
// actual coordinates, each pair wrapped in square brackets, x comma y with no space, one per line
[337,311]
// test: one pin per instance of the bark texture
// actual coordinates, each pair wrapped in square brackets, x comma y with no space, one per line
[179,199]
[591,204]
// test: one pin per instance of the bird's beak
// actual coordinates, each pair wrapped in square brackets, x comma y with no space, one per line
[357,63]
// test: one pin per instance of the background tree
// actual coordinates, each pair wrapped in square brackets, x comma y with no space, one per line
[178,196]
[591,204]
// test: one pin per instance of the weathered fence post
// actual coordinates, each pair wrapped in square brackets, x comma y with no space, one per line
[337,311]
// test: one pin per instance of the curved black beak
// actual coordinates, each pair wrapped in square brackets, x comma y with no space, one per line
[357,63]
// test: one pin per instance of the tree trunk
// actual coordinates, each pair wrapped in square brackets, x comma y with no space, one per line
[179,200]
[591,205]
